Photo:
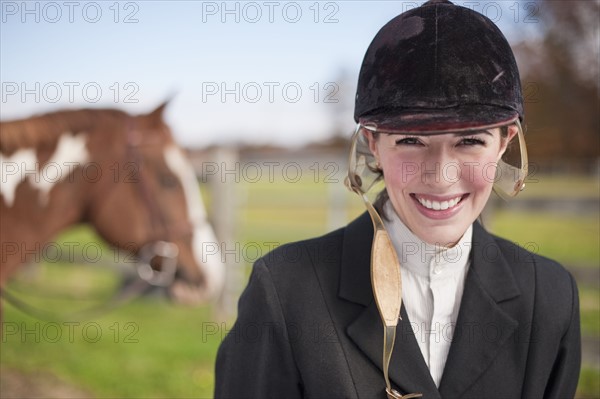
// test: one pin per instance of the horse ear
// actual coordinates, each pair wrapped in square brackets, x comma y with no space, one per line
[158,112]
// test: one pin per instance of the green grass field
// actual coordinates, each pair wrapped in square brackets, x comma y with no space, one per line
[145,349]
[569,239]
[149,348]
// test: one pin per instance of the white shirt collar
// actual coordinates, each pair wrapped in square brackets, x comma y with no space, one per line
[421,258]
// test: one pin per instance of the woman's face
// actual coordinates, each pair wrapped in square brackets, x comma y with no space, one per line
[439,184]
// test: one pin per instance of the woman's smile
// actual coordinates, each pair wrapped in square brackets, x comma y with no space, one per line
[439,207]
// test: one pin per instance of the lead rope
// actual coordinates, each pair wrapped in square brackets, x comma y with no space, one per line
[129,292]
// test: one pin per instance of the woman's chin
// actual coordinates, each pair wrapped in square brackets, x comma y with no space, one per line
[446,236]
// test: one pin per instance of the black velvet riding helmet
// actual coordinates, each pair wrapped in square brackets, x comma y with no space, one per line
[438,68]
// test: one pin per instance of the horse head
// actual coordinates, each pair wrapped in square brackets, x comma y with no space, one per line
[149,202]
[126,176]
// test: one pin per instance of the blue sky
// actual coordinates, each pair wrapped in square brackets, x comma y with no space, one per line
[258,72]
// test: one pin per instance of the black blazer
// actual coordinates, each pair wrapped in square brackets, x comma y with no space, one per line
[308,327]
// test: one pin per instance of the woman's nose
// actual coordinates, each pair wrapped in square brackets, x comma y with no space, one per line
[440,168]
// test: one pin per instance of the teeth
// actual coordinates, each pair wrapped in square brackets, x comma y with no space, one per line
[435,205]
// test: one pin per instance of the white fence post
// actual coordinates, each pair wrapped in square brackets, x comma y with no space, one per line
[224,215]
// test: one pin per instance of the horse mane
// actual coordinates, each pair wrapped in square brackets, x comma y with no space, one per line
[40,130]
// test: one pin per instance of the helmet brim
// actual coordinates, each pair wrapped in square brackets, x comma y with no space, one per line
[438,121]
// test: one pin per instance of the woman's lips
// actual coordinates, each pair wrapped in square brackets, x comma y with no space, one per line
[439,207]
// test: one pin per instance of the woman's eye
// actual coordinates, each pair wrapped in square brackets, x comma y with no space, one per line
[471,141]
[408,141]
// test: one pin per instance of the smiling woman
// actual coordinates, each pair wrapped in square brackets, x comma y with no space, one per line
[438,104]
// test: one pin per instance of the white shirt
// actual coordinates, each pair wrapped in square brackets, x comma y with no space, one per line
[433,279]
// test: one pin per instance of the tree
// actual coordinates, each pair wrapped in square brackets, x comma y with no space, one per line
[560,75]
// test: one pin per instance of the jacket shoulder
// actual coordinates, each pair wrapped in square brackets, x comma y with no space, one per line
[553,287]
[325,249]
[518,256]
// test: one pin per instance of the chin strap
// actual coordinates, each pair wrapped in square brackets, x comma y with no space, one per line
[386,279]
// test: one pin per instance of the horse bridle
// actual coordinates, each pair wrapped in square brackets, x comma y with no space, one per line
[164,249]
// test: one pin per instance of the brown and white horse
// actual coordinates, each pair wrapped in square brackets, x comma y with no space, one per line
[123,174]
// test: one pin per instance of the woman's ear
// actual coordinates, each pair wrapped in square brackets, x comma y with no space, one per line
[372,143]
[504,141]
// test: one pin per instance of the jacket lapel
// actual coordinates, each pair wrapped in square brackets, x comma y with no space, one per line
[482,327]
[408,370]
